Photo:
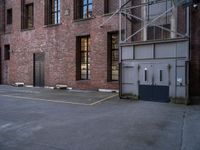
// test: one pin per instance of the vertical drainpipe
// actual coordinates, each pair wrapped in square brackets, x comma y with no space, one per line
[173,35]
[144,14]
[188,34]
[120,22]
[120,52]
[174,21]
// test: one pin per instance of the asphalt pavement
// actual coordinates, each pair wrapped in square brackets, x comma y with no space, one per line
[44,119]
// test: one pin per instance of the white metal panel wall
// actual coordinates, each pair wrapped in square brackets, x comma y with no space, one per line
[167,50]
[127,53]
[170,57]
[129,77]
[182,49]
[144,51]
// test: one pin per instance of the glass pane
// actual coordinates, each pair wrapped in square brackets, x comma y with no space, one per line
[115,42]
[83,67]
[84,2]
[90,1]
[59,20]
[115,55]
[55,5]
[83,71]
[53,18]
[90,10]
[84,44]
[115,75]
[56,18]
[83,76]
[58,5]
[83,58]
[29,16]
[89,75]
[85,12]
[52,6]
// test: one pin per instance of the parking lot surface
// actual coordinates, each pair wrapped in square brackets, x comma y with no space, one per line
[44,119]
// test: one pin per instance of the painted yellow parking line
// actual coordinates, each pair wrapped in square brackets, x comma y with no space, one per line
[103,100]
[58,101]
[47,100]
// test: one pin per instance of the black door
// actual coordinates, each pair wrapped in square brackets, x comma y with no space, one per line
[38,76]
[154,93]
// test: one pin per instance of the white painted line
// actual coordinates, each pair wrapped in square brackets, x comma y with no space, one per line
[5,125]
[49,87]
[39,99]
[29,86]
[108,90]
[104,99]
[20,91]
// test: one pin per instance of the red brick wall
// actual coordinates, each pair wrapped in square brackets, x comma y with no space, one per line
[195,54]
[113,5]
[59,45]
[1,16]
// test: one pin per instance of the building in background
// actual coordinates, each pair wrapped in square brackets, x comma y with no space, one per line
[49,42]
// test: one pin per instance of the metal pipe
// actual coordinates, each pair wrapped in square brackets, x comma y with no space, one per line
[120,22]
[174,21]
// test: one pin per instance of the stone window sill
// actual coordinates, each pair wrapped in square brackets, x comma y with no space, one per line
[83,19]
[28,29]
[52,25]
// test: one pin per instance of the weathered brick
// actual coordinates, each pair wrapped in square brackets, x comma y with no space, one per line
[59,45]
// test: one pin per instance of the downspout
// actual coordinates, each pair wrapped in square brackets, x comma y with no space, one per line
[144,14]
[189,35]
[174,21]
[120,51]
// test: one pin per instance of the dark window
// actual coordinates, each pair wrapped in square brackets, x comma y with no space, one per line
[83,58]
[161,75]
[113,56]
[156,33]
[145,75]
[9,16]
[83,9]
[28,16]
[110,6]
[52,12]
[7,52]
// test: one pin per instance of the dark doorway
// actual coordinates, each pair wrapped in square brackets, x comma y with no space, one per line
[38,69]
[154,93]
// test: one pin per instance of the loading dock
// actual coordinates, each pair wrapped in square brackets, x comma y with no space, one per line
[155,71]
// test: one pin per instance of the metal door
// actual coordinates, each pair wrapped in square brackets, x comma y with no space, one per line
[38,69]
[154,80]
[146,74]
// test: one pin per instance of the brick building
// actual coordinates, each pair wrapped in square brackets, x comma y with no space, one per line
[53,43]
[47,42]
